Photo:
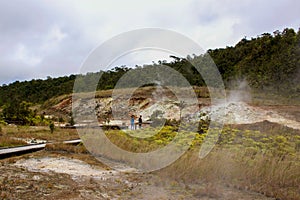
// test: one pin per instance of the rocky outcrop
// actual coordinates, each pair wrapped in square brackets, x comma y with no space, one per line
[143,102]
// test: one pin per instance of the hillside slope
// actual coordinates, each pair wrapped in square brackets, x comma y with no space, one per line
[268,62]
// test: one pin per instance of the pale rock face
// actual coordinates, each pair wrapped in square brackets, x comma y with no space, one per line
[122,107]
[242,113]
[120,110]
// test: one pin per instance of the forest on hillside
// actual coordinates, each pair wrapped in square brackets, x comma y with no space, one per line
[269,62]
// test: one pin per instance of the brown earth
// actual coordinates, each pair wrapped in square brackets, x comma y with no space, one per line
[38,176]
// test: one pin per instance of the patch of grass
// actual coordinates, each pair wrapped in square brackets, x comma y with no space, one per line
[40,132]
[147,139]
[260,97]
[125,141]
[273,176]
[6,141]
[79,149]
[54,101]
[13,135]
[247,159]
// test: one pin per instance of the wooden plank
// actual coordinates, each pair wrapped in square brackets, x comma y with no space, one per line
[29,148]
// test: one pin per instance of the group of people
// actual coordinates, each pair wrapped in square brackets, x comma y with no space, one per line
[132,124]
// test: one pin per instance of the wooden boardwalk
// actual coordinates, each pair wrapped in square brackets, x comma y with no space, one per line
[8,152]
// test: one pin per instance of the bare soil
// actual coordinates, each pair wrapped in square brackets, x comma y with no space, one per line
[46,175]
[289,111]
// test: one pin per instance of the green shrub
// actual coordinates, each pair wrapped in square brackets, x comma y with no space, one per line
[51,126]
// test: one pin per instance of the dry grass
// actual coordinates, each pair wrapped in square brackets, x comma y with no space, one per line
[131,144]
[270,98]
[277,177]
[79,149]
[41,132]
[6,141]
[201,92]
[242,159]
[54,101]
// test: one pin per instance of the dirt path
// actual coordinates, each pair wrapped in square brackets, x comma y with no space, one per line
[68,178]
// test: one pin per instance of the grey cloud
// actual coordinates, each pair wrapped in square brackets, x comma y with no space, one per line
[254,16]
[27,24]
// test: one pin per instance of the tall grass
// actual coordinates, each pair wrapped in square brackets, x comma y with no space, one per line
[11,136]
[244,159]
[39,132]
[6,141]
[79,149]
[272,176]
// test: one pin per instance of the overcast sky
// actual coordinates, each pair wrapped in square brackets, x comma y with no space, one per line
[40,38]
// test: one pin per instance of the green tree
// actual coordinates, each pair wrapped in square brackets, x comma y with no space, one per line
[18,112]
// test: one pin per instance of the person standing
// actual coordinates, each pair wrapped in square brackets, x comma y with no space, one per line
[132,122]
[140,122]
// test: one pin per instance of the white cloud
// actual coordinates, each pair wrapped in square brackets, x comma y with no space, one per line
[22,54]
[53,39]
[40,38]
[56,35]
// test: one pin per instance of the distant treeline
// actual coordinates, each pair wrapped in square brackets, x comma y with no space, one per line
[270,62]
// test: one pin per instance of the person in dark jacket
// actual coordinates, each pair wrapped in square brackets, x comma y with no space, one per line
[140,122]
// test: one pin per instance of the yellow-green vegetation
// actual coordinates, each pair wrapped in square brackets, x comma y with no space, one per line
[128,140]
[149,139]
[253,142]
[247,159]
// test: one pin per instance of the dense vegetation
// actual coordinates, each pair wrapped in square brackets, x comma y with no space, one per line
[269,62]
[265,162]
